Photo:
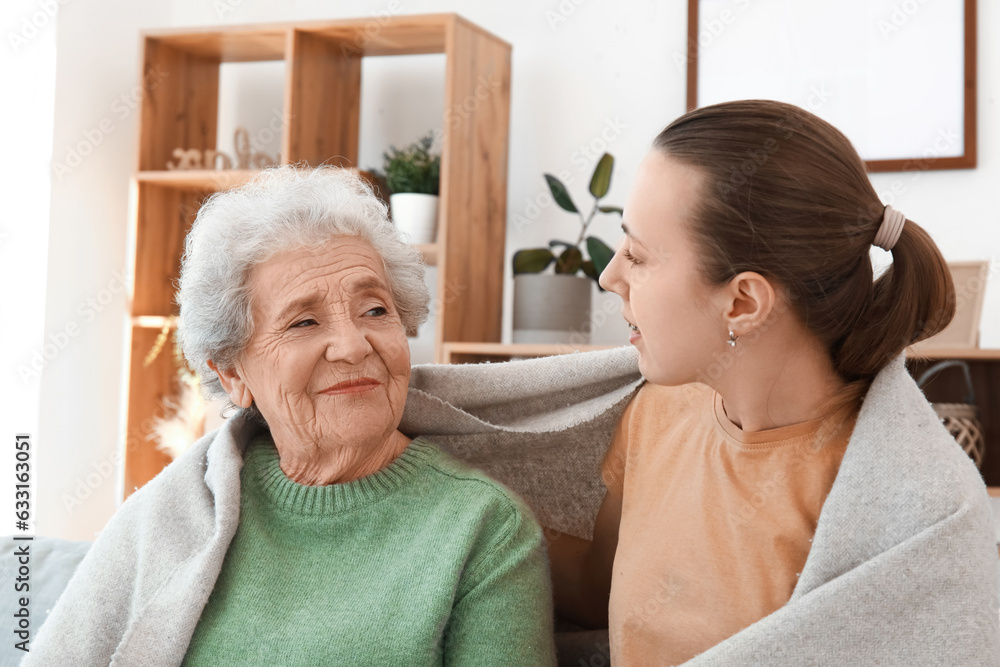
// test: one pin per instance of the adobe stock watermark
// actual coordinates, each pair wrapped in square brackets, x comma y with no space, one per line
[121,108]
[371,29]
[771,488]
[944,142]
[709,32]
[486,86]
[609,308]
[34,23]
[971,288]
[582,159]
[562,12]
[817,97]
[900,14]
[726,356]
[57,341]
[659,595]
[223,7]
[460,111]
[612,308]
[945,139]
[103,470]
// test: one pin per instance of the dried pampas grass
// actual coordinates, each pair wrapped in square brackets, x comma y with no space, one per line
[185,420]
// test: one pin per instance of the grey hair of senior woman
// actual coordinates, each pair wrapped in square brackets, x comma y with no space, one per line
[280,209]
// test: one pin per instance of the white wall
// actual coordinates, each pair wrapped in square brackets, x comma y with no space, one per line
[95,139]
[27,66]
[586,73]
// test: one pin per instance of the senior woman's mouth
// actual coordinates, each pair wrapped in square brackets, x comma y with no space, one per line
[352,386]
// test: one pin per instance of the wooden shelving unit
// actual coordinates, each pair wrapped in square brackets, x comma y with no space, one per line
[322,102]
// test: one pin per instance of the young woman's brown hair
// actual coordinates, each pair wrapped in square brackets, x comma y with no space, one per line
[786,195]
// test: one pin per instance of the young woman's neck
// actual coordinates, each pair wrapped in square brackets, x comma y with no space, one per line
[783,377]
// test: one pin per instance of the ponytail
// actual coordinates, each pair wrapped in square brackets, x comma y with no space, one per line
[913,300]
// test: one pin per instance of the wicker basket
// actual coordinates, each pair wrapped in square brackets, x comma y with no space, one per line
[961,419]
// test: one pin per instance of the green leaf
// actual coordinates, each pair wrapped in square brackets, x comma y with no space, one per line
[591,271]
[534,260]
[554,243]
[601,180]
[611,209]
[559,194]
[413,168]
[569,261]
[600,253]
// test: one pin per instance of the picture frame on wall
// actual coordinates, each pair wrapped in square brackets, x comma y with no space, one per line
[898,78]
[962,333]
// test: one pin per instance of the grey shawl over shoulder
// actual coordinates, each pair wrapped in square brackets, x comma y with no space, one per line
[903,569]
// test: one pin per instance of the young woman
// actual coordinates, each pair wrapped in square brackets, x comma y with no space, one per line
[747,282]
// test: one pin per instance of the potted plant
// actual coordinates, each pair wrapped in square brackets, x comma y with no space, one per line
[412,175]
[555,308]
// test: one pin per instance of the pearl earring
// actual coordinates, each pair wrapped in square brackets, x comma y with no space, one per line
[732,339]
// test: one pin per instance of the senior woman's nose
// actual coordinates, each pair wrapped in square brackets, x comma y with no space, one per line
[347,343]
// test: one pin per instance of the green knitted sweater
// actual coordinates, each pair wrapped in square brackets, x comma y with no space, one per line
[426,562]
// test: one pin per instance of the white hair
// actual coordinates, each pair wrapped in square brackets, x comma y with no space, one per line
[280,209]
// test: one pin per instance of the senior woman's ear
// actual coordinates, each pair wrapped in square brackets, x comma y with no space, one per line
[234,384]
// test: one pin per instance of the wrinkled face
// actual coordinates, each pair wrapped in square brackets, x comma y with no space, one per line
[328,363]
[656,273]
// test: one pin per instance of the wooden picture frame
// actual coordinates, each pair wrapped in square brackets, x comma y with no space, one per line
[970,289]
[871,112]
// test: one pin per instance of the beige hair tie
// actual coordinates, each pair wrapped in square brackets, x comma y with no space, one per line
[890,230]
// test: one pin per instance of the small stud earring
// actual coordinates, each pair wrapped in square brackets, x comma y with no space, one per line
[732,339]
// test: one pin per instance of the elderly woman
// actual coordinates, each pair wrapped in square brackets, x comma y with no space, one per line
[308,529]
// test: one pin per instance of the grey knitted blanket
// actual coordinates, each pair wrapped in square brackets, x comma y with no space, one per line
[903,568]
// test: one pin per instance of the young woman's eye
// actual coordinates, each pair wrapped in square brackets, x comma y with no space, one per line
[629,257]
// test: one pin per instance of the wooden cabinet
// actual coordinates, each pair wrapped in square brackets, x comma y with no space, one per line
[322,107]
[950,387]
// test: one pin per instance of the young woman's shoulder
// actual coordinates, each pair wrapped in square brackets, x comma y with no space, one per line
[663,401]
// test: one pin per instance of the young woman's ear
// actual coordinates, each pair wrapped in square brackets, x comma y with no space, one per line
[234,384]
[749,301]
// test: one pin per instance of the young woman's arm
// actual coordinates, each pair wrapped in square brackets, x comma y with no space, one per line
[581,569]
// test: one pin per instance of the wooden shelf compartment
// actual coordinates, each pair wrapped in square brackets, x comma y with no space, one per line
[165,215]
[231,44]
[226,179]
[148,387]
[369,36]
[199,179]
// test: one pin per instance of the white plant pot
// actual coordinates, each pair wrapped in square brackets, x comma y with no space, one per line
[415,215]
[552,308]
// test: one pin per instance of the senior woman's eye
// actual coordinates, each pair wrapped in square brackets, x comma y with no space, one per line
[378,310]
[303,323]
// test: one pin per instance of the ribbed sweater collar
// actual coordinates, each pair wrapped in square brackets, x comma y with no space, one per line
[262,475]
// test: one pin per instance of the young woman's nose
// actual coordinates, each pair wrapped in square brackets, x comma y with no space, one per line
[612,278]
